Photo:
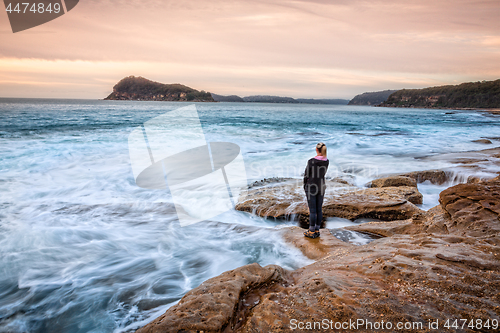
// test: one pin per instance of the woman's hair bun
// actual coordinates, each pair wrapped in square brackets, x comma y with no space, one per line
[320,145]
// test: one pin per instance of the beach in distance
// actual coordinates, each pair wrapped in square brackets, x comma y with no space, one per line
[84,249]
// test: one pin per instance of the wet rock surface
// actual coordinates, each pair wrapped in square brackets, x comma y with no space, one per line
[481,161]
[341,200]
[435,265]
[211,306]
[484,141]
[394,181]
[438,177]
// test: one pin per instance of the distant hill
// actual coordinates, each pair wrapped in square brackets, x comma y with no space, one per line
[269,99]
[231,98]
[322,101]
[141,89]
[138,88]
[371,98]
[485,94]
[276,99]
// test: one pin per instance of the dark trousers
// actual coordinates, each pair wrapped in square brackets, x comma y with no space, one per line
[315,203]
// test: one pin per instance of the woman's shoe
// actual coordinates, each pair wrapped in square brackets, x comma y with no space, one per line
[316,233]
[310,234]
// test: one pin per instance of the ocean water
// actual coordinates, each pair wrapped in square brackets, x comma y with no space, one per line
[84,249]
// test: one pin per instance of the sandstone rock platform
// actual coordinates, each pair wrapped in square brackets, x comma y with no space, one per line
[435,265]
[341,200]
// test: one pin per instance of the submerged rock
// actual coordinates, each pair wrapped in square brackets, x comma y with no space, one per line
[479,162]
[485,141]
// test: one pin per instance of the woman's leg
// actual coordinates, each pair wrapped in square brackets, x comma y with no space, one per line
[311,202]
[319,211]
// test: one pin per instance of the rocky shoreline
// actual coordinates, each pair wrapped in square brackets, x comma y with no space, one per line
[428,266]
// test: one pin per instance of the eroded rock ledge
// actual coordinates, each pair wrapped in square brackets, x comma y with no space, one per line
[440,264]
[341,200]
[212,306]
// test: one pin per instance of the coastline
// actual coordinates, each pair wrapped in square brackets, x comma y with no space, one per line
[431,265]
[495,111]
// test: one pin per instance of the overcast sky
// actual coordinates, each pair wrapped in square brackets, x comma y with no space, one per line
[299,48]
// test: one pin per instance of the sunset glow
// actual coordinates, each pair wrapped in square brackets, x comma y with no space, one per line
[322,49]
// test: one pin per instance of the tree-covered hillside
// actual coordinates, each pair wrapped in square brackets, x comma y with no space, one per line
[484,94]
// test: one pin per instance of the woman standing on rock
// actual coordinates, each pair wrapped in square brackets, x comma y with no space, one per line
[314,185]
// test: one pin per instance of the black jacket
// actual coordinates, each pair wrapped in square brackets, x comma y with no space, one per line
[314,176]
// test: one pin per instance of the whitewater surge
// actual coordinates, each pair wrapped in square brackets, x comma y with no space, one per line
[83,249]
